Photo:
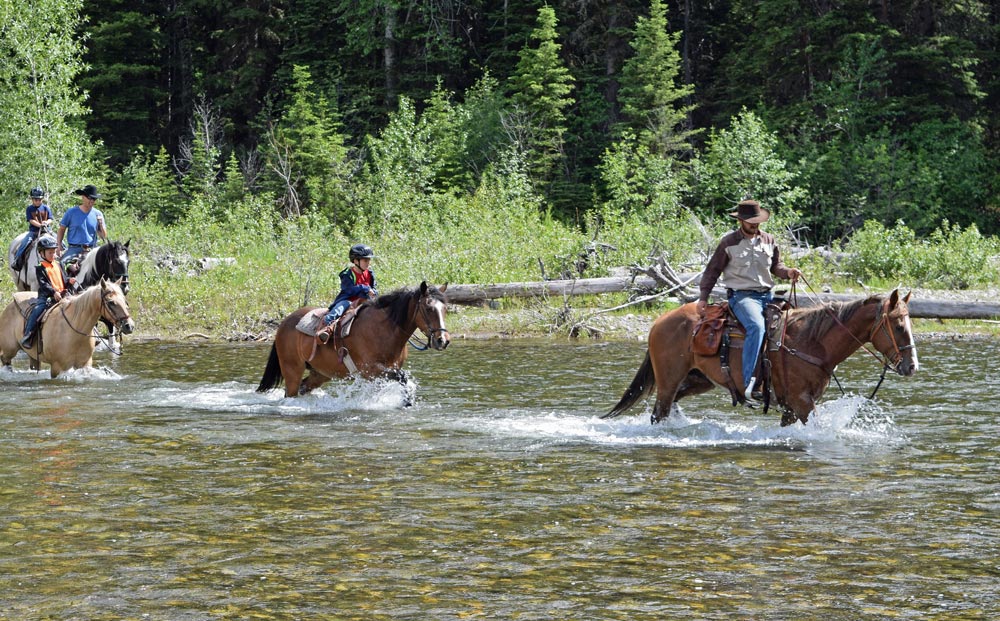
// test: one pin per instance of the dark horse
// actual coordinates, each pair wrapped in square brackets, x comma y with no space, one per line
[376,343]
[815,341]
[108,261]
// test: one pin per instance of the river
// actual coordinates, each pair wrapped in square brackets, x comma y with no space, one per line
[159,485]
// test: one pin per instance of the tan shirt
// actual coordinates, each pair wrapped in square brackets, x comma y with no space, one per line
[744,264]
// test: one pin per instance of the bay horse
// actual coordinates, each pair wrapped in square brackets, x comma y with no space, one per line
[66,339]
[376,343]
[815,341]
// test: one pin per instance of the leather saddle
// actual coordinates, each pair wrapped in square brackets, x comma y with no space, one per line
[720,331]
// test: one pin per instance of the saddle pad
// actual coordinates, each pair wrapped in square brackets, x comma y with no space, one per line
[26,299]
[311,322]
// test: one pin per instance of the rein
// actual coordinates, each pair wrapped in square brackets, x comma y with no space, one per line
[885,360]
[107,340]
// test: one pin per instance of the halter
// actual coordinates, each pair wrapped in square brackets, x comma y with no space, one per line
[882,324]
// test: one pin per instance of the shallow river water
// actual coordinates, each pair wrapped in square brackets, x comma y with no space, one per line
[161,486]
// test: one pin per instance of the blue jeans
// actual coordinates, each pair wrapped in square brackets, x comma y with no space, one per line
[36,311]
[71,251]
[336,310]
[30,237]
[748,306]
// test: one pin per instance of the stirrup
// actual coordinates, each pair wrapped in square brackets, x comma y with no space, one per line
[324,333]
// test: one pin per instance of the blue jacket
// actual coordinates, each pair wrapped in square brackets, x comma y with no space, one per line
[350,289]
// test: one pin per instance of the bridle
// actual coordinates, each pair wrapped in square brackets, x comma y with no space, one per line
[106,306]
[430,333]
[112,264]
[882,323]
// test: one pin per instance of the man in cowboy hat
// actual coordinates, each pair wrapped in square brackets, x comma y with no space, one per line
[746,259]
[85,224]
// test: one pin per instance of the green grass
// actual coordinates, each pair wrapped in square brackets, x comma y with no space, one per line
[280,265]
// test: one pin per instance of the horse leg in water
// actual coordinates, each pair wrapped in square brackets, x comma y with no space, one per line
[314,381]
[403,377]
[670,372]
[694,384]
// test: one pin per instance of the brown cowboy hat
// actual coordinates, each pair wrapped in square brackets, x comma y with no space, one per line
[751,212]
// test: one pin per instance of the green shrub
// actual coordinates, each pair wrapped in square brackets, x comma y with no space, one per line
[950,257]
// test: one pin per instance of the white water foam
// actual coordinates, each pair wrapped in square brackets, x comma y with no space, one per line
[332,398]
[849,420]
[86,374]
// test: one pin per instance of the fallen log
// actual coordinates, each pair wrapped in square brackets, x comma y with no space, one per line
[478,295]
[481,294]
[923,308]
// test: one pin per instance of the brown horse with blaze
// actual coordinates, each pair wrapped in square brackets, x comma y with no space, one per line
[376,344]
[815,341]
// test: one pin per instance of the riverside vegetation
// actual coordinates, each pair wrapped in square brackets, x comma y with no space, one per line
[281,263]
[555,146]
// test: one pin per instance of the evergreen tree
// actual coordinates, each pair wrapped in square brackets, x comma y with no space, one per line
[124,76]
[541,88]
[146,187]
[317,159]
[651,99]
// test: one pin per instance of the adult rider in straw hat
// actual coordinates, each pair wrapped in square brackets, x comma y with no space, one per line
[746,259]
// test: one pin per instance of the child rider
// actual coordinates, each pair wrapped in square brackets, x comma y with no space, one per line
[357,282]
[53,285]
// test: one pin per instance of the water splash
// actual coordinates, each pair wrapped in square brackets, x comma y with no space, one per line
[87,374]
[334,397]
[849,420]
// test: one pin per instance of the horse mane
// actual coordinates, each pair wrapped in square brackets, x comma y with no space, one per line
[819,320]
[396,303]
[101,264]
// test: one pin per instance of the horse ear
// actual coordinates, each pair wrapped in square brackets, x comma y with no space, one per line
[128,242]
[423,288]
[443,288]
[906,300]
[894,298]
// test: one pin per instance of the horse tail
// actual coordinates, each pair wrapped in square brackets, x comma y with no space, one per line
[272,372]
[641,385]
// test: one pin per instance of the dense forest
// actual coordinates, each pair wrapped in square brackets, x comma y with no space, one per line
[833,112]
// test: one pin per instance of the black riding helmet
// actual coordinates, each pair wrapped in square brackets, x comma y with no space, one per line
[37,193]
[46,242]
[361,251]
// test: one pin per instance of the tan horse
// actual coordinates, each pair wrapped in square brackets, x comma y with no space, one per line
[816,340]
[66,338]
[376,343]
